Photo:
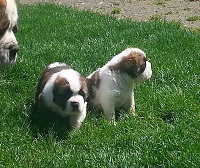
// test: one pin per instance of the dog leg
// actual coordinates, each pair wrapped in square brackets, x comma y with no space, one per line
[132,108]
[109,113]
[76,120]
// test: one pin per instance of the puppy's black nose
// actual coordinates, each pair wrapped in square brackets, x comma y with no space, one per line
[75,105]
[13,51]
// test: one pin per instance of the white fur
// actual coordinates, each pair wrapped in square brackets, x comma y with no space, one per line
[56,64]
[116,89]
[73,77]
[9,39]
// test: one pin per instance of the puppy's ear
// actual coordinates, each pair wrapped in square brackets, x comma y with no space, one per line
[59,97]
[61,92]
[134,64]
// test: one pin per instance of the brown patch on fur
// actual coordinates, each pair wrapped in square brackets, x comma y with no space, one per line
[2,4]
[61,92]
[4,22]
[92,82]
[47,73]
[132,64]
[84,88]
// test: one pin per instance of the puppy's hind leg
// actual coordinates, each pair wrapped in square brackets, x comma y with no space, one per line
[109,113]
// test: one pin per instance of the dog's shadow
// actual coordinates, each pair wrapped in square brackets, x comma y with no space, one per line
[47,124]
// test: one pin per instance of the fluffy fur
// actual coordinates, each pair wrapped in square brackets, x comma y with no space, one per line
[8,28]
[111,87]
[64,91]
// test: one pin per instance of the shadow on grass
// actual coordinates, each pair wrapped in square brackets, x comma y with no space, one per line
[98,113]
[168,117]
[48,124]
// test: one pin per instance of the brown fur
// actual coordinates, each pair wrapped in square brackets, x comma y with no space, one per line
[4,22]
[61,92]
[84,86]
[94,81]
[133,64]
[2,4]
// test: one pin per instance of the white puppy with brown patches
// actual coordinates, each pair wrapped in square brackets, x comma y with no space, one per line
[64,91]
[8,28]
[111,87]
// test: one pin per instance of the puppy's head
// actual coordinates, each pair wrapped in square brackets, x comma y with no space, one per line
[66,93]
[134,63]
[8,28]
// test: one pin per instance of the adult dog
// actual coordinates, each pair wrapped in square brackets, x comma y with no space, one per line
[62,90]
[111,87]
[8,28]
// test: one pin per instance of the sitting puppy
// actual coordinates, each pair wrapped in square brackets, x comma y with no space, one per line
[8,28]
[64,91]
[111,87]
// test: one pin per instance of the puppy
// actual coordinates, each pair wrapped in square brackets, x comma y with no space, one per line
[8,28]
[64,91]
[111,87]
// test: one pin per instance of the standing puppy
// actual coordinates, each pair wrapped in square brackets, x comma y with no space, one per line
[8,28]
[111,87]
[64,91]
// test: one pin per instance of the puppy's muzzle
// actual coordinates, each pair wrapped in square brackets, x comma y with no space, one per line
[8,55]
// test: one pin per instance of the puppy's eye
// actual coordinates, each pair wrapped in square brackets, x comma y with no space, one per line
[15,29]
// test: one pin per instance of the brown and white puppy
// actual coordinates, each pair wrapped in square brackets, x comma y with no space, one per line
[64,91]
[8,28]
[111,87]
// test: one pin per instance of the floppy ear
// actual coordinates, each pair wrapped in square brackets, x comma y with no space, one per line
[4,22]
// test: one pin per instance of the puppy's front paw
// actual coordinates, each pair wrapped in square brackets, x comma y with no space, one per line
[113,122]
[110,116]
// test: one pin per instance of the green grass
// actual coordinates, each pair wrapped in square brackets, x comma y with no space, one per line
[116,11]
[193,18]
[165,133]
[159,2]
[156,17]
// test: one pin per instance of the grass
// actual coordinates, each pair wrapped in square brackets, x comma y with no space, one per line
[116,11]
[159,2]
[193,18]
[165,133]
[155,17]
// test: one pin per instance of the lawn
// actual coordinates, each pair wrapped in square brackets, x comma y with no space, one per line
[166,130]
